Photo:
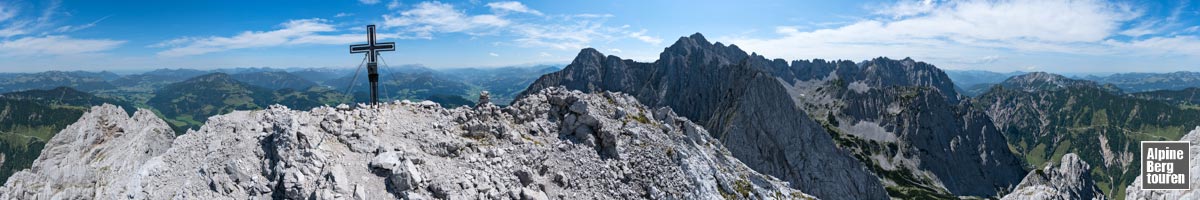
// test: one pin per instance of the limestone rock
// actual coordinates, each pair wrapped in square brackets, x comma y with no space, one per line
[1072,179]
[95,156]
[398,150]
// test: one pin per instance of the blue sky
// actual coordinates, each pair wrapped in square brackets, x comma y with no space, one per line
[1065,36]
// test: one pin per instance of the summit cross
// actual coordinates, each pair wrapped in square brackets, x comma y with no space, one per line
[372,49]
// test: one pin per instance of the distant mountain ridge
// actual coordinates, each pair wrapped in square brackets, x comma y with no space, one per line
[1143,82]
[1042,81]
[85,81]
[975,82]
[189,103]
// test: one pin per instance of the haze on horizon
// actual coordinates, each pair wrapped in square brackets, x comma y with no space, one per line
[1062,36]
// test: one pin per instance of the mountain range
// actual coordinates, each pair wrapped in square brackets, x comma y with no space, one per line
[713,119]
[976,82]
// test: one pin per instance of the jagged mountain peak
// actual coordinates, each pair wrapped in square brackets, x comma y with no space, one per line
[697,45]
[588,55]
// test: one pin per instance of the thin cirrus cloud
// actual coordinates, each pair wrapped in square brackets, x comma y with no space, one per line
[30,34]
[426,20]
[975,28]
[512,6]
[62,45]
[294,32]
[532,29]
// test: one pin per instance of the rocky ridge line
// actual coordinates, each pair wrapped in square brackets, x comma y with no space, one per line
[551,144]
[1071,179]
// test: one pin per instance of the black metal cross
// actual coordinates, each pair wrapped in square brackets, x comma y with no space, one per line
[372,49]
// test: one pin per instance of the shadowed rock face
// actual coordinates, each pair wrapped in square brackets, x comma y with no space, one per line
[950,147]
[745,107]
[764,111]
[552,144]
[1071,179]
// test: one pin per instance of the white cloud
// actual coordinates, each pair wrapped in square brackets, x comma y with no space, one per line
[968,30]
[428,18]
[614,50]
[561,32]
[294,32]
[38,37]
[1174,45]
[544,54]
[56,45]
[14,29]
[504,7]
[7,12]
[369,2]
[641,35]
[561,36]
[394,5]
[342,14]
[493,54]
[907,8]
[71,28]
[1191,29]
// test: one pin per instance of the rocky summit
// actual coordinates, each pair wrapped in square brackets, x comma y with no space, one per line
[1072,179]
[550,144]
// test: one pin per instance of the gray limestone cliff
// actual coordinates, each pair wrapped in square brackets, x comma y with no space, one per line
[1135,192]
[551,144]
[746,108]
[836,129]
[1071,179]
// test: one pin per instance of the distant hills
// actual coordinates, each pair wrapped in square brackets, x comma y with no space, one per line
[976,82]
[1144,82]
[187,104]
[79,80]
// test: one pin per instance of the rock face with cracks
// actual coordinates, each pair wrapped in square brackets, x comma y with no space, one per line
[554,144]
[1071,179]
